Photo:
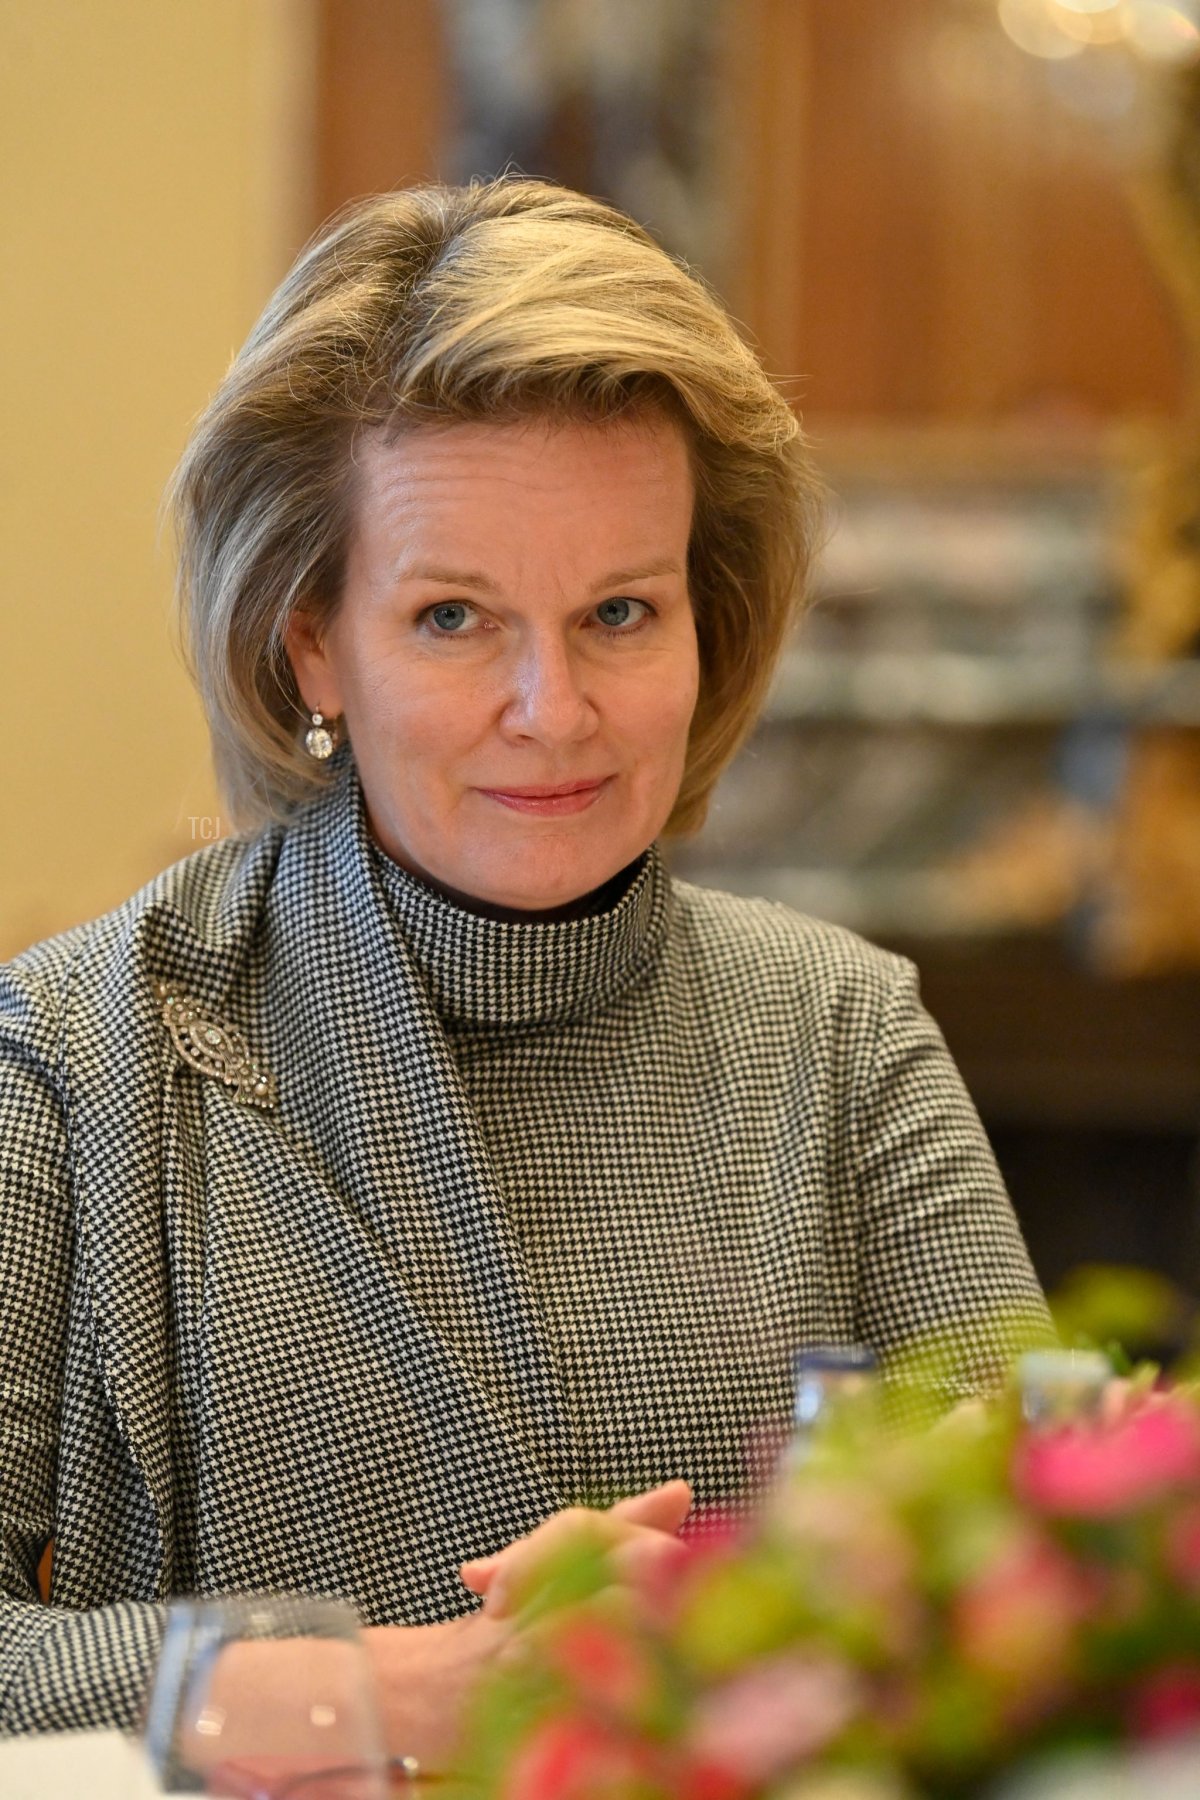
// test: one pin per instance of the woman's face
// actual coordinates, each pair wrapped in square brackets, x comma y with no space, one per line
[514,653]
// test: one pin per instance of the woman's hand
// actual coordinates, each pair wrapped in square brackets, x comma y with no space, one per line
[424,1675]
[639,1533]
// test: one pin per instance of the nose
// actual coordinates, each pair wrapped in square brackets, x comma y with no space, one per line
[548,700]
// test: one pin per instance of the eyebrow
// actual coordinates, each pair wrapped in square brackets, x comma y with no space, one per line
[477,579]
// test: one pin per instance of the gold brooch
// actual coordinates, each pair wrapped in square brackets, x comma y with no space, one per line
[214,1049]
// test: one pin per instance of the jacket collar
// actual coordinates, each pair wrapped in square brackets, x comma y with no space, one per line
[361,1060]
[287,937]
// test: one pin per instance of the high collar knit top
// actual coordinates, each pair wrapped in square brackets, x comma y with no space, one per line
[483,972]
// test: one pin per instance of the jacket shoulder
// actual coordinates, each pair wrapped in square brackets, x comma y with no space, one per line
[213,898]
[760,960]
[764,947]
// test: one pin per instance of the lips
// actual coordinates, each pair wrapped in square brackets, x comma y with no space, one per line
[548,793]
[550,802]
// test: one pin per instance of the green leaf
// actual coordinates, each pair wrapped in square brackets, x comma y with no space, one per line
[1105,1306]
[736,1613]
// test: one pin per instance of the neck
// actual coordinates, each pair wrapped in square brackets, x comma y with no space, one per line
[599,900]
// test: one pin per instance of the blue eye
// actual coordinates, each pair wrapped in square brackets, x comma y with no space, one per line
[450,616]
[613,614]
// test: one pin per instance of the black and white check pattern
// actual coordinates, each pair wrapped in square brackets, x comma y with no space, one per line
[540,1216]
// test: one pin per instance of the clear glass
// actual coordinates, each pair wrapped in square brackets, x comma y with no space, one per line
[827,1375]
[264,1697]
[1060,1387]
[832,1381]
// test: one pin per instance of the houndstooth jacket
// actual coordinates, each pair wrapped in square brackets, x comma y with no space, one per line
[498,1217]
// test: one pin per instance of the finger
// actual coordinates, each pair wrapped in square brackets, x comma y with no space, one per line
[646,1557]
[479,1574]
[662,1508]
[519,1564]
[497,1603]
[482,1573]
[636,1560]
[634,1552]
[498,1577]
[511,1582]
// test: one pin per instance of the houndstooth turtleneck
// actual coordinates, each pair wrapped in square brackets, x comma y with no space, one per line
[488,974]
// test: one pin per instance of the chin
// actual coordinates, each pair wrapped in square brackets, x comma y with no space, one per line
[534,884]
[534,898]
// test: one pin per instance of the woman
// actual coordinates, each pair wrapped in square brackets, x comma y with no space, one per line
[422,1162]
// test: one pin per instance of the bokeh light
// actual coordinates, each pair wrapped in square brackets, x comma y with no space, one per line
[1034,26]
[1161,32]
[1107,27]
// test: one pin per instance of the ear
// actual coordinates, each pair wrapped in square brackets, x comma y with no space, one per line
[309,652]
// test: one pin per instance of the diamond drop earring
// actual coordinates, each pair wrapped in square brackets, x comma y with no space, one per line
[318,739]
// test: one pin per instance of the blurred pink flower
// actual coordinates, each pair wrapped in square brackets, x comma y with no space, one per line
[778,1712]
[708,1781]
[857,1556]
[1102,1472]
[605,1665]
[571,1758]
[853,1536]
[1016,1622]
[1167,1703]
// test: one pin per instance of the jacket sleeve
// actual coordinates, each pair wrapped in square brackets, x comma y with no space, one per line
[941,1256]
[59,1669]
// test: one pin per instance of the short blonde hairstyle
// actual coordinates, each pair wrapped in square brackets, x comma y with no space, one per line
[495,301]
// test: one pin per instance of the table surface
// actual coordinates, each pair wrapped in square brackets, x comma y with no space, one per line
[103,1765]
[98,1765]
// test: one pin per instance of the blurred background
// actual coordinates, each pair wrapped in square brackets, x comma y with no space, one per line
[964,236]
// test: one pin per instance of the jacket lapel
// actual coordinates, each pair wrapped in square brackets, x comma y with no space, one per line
[118,1077]
[365,1073]
[366,1185]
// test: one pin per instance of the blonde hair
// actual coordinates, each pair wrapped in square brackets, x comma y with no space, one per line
[494,301]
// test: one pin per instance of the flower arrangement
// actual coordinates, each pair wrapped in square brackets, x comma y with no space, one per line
[909,1616]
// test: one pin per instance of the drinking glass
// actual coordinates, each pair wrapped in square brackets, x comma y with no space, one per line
[264,1697]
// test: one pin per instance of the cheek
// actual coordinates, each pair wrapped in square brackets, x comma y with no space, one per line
[417,713]
[665,705]
[654,734]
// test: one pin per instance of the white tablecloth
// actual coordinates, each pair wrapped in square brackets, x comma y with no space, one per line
[94,1765]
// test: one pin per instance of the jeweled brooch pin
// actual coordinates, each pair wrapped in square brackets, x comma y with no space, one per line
[214,1049]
